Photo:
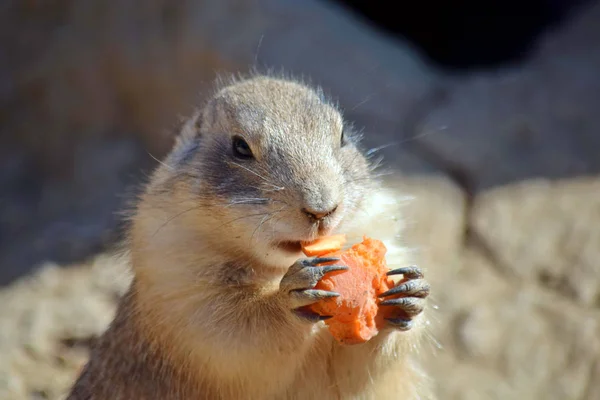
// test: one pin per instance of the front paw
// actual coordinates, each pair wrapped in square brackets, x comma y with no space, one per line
[407,298]
[297,285]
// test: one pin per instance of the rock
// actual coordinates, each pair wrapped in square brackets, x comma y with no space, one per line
[541,348]
[539,119]
[379,82]
[61,220]
[513,268]
[545,232]
[434,224]
[107,82]
[47,320]
[99,89]
[495,333]
[527,339]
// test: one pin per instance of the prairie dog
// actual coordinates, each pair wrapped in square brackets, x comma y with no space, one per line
[219,278]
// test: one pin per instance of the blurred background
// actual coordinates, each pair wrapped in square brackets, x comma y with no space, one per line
[490,112]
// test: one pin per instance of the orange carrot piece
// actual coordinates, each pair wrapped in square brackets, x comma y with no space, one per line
[324,245]
[356,316]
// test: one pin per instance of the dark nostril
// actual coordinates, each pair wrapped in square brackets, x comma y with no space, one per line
[317,214]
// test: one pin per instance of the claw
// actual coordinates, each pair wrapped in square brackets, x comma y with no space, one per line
[311,316]
[317,261]
[402,301]
[319,272]
[316,294]
[302,276]
[299,283]
[412,272]
[410,305]
[400,323]
[414,288]
[331,268]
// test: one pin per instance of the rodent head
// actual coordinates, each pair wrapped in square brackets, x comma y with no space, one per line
[266,164]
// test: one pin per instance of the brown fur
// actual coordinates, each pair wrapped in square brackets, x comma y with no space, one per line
[205,317]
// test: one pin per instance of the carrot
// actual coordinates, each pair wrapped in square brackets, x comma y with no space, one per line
[356,317]
[324,245]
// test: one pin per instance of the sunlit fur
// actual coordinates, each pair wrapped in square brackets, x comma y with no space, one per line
[204,318]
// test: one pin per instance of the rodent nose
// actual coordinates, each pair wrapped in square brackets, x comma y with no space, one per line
[319,214]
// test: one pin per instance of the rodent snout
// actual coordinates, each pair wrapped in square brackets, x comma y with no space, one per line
[321,200]
[319,214]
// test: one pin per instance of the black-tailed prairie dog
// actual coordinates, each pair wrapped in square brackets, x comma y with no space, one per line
[214,246]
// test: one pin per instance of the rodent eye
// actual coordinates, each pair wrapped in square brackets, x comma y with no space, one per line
[343,140]
[241,149]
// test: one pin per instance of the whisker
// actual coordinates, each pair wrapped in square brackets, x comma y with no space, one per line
[196,207]
[361,209]
[366,99]
[375,164]
[256,200]
[161,162]
[382,174]
[265,219]
[276,221]
[420,135]
[257,174]
[366,178]
[370,152]
[239,218]
[374,150]
[273,190]
[262,221]
[257,50]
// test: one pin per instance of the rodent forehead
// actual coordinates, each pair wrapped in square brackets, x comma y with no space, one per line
[276,116]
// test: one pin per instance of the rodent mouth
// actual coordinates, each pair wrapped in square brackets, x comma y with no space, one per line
[291,246]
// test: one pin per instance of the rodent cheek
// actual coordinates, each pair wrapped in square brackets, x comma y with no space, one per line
[354,194]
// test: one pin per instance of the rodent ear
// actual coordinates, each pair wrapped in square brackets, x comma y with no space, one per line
[189,129]
[186,140]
